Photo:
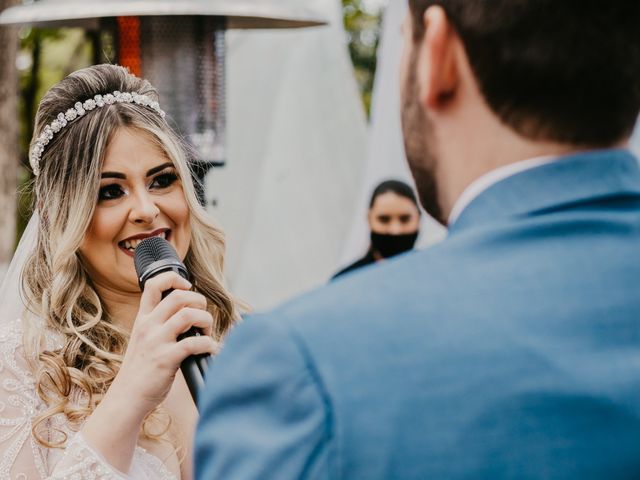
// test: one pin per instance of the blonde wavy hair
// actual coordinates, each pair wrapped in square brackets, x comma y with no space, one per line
[56,286]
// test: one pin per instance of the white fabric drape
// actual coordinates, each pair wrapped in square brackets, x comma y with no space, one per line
[635,140]
[297,136]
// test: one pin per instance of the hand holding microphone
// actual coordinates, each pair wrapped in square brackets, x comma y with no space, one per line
[155,256]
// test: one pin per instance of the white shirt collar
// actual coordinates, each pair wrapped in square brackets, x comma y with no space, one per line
[482,183]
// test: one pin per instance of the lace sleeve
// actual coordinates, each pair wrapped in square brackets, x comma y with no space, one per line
[81,462]
[22,457]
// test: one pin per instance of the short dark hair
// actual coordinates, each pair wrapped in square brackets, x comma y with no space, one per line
[559,70]
[395,186]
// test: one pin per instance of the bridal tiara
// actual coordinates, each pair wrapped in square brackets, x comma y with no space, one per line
[80,109]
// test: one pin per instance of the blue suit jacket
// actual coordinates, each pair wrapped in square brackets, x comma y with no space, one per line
[511,350]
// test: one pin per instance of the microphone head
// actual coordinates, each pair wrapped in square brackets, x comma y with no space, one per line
[155,255]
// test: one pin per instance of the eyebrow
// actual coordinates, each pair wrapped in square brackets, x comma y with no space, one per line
[122,176]
[159,168]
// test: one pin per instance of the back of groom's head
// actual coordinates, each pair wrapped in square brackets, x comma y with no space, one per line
[566,71]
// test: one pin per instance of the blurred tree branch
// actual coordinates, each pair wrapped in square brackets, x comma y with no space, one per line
[363,30]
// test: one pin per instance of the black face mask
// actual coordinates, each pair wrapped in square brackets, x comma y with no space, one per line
[390,245]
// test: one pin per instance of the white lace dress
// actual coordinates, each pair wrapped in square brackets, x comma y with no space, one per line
[22,458]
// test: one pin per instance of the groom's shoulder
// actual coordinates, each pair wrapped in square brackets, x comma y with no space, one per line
[371,292]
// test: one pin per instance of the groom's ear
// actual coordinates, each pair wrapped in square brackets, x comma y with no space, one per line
[438,59]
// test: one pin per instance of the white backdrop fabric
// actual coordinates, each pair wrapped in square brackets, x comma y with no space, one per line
[385,147]
[296,150]
[635,140]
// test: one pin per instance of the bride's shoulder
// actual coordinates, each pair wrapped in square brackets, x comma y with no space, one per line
[12,338]
[11,330]
[14,359]
[21,341]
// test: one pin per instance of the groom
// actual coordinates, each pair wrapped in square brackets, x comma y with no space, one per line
[510,350]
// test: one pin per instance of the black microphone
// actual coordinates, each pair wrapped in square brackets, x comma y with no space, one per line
[153,256]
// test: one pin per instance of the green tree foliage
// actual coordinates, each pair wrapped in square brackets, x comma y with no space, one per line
[45,57]
[363,30]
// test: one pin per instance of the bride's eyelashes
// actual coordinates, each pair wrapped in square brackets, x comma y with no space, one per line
[112,191]
[164,180]
[161,181]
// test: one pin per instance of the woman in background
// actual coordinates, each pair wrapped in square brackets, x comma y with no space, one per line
[91,386]
[394,223]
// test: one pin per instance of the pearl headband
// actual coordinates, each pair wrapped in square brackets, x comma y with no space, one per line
[78,111]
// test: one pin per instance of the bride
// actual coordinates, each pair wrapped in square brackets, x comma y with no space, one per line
[90,386]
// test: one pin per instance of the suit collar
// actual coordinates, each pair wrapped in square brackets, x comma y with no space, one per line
[494,176]
[568,180]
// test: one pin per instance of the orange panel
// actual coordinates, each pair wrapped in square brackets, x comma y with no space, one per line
[129,44]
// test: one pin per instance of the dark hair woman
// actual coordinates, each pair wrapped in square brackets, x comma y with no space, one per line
[394,223]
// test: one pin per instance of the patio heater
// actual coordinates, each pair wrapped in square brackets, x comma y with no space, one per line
[178,45]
